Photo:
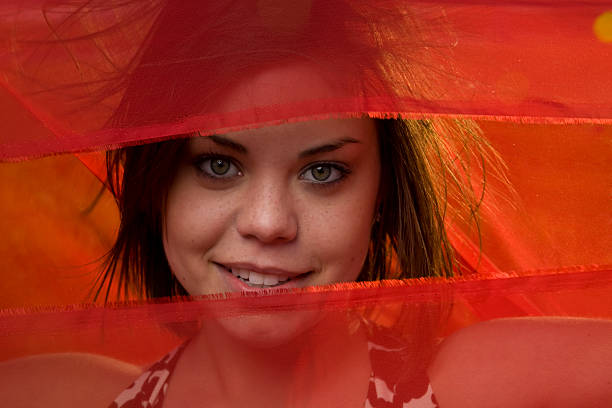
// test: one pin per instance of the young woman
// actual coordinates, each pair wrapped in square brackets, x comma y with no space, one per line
[310,203]
[294,205]
[290,206]
[270,207]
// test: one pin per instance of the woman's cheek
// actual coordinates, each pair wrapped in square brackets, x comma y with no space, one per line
[341,239]
[195,216]
[189,228]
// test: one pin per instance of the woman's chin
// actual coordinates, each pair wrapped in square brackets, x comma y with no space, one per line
[270,330]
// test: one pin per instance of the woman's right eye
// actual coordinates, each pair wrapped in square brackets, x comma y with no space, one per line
[218,167]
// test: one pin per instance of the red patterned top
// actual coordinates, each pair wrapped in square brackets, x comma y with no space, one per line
[392,384]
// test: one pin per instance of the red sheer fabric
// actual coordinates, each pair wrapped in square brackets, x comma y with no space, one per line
[400,323]
[540,62]
[84,76]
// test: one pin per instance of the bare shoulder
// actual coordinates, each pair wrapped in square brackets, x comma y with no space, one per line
[526,362]
[64,380]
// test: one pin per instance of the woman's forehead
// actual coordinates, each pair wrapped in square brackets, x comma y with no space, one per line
[299,139]
[287,83]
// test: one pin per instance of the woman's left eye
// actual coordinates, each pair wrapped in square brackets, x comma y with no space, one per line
[218,167]
[323,173]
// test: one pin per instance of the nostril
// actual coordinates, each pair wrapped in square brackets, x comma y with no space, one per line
[269,228]
[267,211]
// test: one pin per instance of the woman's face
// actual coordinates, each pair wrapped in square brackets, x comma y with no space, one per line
[284,206]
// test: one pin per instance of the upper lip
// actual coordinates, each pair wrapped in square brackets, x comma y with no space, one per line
[267,270]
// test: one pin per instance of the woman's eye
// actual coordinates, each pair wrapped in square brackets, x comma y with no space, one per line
[218,167]
[323,173]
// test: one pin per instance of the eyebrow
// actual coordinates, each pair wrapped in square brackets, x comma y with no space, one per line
[329,147]
[220,140]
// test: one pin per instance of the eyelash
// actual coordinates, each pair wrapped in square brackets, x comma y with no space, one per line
[199,164]
[343,170]
[201,168]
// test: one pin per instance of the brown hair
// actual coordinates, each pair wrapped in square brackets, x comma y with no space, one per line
[420,176]
[425,163]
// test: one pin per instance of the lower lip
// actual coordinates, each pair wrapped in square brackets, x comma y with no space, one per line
[238,285]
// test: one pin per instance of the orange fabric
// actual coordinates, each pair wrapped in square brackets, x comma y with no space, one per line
[535,75]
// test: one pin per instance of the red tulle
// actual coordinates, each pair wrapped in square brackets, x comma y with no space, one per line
[535,76]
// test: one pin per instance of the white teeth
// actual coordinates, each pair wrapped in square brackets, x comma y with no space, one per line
[270,280]
[255,278]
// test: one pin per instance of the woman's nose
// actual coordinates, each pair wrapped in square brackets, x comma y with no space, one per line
[267,214]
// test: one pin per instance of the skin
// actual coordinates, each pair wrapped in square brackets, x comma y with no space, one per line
[293,199]
[526,362]
[63,380]
[268,211]
[298,200]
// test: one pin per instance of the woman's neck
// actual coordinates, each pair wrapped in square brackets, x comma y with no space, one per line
[313,368]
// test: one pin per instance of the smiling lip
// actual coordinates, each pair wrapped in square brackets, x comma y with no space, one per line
[262,270]
[243,277]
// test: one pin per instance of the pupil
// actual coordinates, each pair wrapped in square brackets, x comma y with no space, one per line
[219,166]
[321,173]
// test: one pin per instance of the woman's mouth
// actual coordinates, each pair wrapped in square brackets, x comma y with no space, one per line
[262,280]
[258,280]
